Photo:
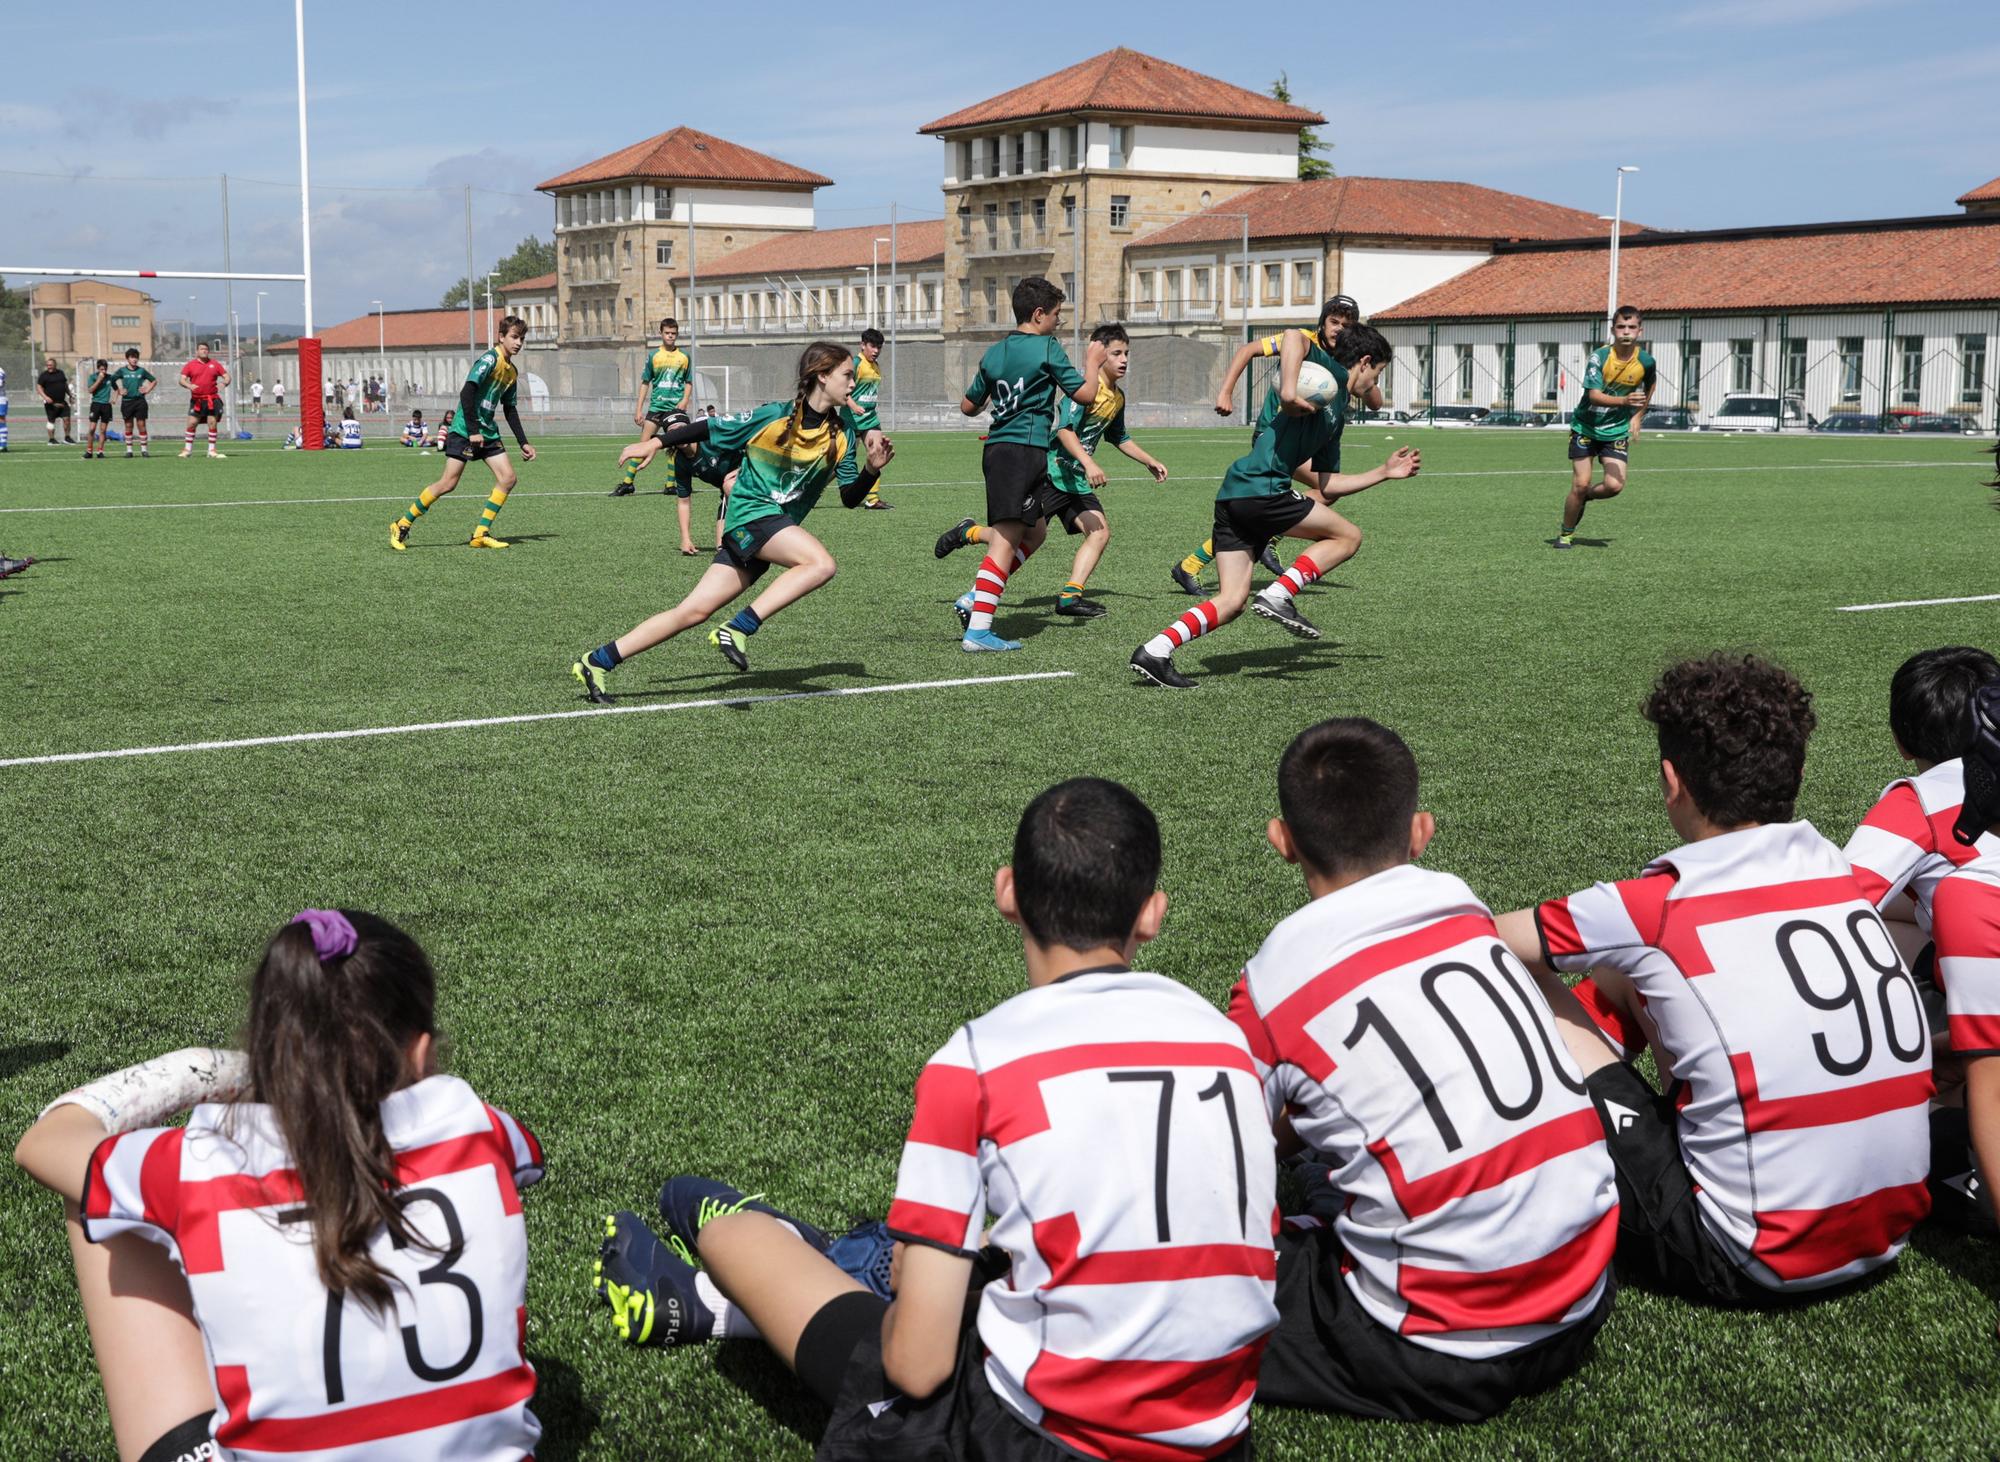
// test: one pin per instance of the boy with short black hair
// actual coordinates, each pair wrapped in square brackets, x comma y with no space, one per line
[664,387]
[866,406]
[1297,441]
[414,428]
[1131,1184]
[1789,1151]
[132,383]
[1019,378]
[1460,1253]
[1617,385]
[99,431]
[471,435]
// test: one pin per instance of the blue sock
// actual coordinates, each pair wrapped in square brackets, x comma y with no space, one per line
[746,622]
[606,656]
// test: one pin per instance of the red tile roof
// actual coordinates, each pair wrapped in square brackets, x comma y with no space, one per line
[1126,81]
[1404,208]
[1984,193]
[829,248]
[1835,269]
[539,282]
[687,156]
[400,330]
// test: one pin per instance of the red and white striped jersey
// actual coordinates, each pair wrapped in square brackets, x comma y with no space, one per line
[1905,841]
[300,1373]
[1414,1052]
[1111,1123]
[1965,914]
[1795,1039]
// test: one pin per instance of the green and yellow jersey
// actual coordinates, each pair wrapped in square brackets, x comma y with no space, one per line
[1608,373]
[707,464]
[1101,421]
[99,387]
[867,393]
[668,372]
[1022,375]
[1284,443]
[495,376]
[132,379]
[778,475]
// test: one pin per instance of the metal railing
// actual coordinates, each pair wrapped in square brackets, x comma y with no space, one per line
[838,323]
[1025,238]
[1165,311]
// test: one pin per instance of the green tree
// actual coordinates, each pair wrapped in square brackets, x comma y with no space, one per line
[1311,144]
[14,325]
[531,257]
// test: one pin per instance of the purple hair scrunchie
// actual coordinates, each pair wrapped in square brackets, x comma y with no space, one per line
[333,936]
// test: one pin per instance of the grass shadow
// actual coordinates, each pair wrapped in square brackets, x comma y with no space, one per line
[16,1059]
[1972,1258]
[754,682]
[1282,662]
[762,1377]
[568,1416]
[1585,542]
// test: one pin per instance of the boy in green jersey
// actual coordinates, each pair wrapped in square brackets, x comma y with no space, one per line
[867,420]
[1018,380]
[692,459]
[1296,441]
[1617,384]
[472,436]
[99,385]
[132,383]
[1074,477]
[664,386]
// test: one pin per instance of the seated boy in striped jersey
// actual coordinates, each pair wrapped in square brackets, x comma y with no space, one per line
[1789,1151]
[1109,1120]
[1457,1252]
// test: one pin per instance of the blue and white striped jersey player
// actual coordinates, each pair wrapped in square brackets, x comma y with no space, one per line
[1617,384]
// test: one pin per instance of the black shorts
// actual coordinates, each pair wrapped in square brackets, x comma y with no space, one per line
[739,546]
[100,411]
[962,1420]
[1016,476]
[666,421]
[205,408]
[1328,1354]
[1066,507]
[1581,447]
[1247,524]
[1661,1238]
[56,410]
[134,408]
[461,449]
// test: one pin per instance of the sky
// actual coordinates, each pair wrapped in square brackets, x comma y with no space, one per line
[1735,111]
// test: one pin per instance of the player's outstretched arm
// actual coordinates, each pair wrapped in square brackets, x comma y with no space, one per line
[56,1151]
[1332,486]
[639,406]
[1144,458]
[1291,356]
[921,1326]
[1094,356]
[879,452]
[1225,394]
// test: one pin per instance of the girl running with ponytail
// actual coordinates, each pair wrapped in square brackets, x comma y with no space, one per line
[328,1261]
[790,451]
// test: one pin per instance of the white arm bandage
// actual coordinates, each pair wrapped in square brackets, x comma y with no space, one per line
[147,1094]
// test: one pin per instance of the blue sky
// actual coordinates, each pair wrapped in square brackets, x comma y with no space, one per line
[1737,112]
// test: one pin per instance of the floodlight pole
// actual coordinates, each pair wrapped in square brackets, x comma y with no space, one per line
[381,353]
[1617,228]
[260,336]
[305,192]
[489,305]
[471,301]
[895,310]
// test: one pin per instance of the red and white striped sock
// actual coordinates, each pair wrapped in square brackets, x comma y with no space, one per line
[1197,622]
[1021,556]
[987,587]
[188,439]
[1302,572]
[211,436]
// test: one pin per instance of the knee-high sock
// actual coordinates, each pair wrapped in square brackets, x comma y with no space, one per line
[987,587]
[495,501]
[1197,622]
[187,437]
[1302,572]
[1195,562]
[418,508]
[211,436]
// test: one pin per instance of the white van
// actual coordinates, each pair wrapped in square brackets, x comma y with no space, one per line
[1748,411]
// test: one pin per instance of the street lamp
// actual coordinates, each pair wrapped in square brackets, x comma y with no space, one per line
[868,270]
[491,276]
[381,353]
[260,335]
[873,263]
[1617,228]
[192,301]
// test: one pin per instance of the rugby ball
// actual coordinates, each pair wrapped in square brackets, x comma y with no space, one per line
[1317,385]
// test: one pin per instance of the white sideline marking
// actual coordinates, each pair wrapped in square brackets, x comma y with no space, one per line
[1915,603]
[303,502]
[478,721]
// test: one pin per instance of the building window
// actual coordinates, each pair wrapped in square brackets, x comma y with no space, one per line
[663,251]
[628,310]
[1910,379]
[1239,283]
[1142,287]
[628,253]
[962,151]
[1121,210]
[1069,213]
[1201,286]
[1795,366]
[965,295]
[1041,212]
[992,301]
[131,322]
[1691,373]
[1742,364]
[1014,223]
[1069,286]
[1170,288]
[1422,385]
[1549,372]
[1462,372]
[663,204]
[1972,369]
[992,225]
[1274,284]
[1850,368]
[1121,146]
[1302,282]
[1020,153]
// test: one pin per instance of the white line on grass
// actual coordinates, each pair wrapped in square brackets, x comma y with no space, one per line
[479,721]
[305,502]
[1915,603]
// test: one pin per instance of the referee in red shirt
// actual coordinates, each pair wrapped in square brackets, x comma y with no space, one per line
[204,379]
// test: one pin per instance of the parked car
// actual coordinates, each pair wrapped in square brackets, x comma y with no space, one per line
[1930,421]
[1510,418]
[1668,418]
[1850,422]
[1453,415]
[1382,417]
[1744,411]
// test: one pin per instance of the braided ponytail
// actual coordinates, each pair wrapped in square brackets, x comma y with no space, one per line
[819,360]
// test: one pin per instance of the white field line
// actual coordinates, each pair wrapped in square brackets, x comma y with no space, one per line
[1915,603]
[304,502]
[480,721]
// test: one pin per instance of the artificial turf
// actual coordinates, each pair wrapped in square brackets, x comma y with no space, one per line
[725,939]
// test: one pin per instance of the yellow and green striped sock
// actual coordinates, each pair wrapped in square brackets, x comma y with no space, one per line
[418,508]
[1195,562]
[976,533]
[632,465]
[494,503]
[1069,593]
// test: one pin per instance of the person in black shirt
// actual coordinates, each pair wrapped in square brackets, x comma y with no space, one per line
[52,385]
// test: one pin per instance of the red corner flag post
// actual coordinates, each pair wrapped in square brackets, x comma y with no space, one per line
[312,414]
